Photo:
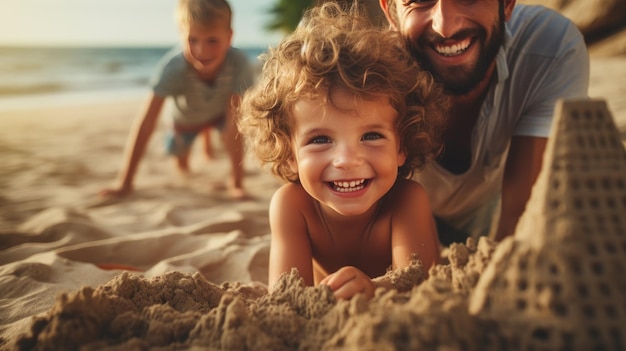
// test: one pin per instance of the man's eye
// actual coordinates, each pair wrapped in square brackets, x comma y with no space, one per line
[418,2]
[372,136]
[321,139]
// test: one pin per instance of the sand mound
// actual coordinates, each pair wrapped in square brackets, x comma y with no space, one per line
[178,311]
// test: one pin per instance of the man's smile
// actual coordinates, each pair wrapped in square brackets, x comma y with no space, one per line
[455,49]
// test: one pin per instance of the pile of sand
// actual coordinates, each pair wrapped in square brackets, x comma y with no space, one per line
[178,311]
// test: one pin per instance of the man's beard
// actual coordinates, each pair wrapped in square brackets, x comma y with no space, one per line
[461,80]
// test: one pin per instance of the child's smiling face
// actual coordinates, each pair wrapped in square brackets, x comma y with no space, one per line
[346,153]
[205,47]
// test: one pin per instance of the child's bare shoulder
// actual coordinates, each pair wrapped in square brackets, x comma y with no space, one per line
[404,192]
[291,195]
[294,190]
[291,207]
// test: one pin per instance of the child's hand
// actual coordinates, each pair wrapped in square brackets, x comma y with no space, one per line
[349,281]
[115,192]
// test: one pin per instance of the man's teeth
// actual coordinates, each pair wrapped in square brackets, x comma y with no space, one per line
[345,187]
[452,50]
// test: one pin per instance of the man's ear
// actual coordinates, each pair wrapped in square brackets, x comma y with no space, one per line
[384,5]
[508,9]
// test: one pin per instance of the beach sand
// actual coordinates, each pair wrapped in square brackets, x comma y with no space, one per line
[178,264]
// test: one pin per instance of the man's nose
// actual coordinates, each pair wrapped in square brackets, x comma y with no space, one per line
[446,18]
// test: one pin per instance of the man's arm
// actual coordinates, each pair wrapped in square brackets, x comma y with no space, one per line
[566,77]
[522,168]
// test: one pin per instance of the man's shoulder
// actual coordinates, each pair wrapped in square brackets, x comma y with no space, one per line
[539,30]
[536,15]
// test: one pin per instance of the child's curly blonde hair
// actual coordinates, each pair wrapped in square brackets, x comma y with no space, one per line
[203,13]
[339,48]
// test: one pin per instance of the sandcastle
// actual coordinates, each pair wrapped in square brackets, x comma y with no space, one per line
[556,285]
[559,283]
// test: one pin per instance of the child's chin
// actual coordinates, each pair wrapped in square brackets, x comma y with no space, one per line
[203,68]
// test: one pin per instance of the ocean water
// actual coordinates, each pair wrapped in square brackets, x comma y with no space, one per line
[44,75]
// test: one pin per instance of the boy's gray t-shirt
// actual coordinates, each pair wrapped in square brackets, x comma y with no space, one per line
[544,58]
[196,102]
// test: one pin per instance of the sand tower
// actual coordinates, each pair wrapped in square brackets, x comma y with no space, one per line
[560,282]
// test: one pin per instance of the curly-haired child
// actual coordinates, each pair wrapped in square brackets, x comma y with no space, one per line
[344,115]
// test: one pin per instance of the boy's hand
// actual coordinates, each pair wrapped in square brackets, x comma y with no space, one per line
[349,281]
[116,192]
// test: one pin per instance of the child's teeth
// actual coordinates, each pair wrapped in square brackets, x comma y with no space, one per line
[349,186]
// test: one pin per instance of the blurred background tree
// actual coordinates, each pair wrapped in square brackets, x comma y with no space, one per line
[286,14]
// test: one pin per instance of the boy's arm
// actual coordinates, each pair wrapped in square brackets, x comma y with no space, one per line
[290,246]
[138,139]
[413,227]
[413,232]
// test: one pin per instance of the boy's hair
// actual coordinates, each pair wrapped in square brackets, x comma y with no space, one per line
[203,12]
[339,48]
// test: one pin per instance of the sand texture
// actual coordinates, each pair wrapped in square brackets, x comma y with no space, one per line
[179,266]
[177,311]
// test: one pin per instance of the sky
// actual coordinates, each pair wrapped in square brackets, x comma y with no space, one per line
[118,22]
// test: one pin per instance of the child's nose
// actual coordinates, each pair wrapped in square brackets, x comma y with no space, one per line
[347,156]
[201,50]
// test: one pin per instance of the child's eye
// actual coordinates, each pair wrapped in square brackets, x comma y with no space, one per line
[320,139]
[372,136]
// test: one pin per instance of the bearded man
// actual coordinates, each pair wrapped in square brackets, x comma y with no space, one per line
[504,66]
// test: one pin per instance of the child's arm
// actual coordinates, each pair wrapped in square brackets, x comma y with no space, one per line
[413,227]
[413,231]
[138,139]
[290,246]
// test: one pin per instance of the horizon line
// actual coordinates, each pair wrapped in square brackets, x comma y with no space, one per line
[112,45]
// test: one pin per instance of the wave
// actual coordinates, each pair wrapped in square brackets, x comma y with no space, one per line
[49,70]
